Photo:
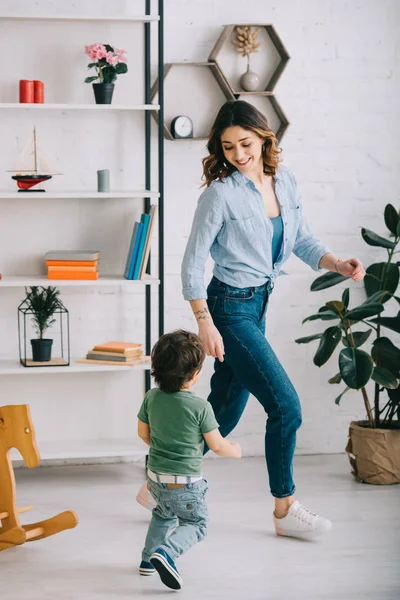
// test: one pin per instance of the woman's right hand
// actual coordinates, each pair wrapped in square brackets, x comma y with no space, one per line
[212,339]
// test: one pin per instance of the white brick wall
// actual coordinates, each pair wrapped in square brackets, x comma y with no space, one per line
[340,92]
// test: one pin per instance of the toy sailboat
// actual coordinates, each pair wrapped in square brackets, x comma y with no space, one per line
[33,167]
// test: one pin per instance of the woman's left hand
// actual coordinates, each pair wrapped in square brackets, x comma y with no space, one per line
[352,267]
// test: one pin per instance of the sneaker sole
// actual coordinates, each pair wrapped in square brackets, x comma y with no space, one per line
[303,535]
[168,576]
[146,572]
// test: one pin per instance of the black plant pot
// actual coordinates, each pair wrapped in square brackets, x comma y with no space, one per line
[41,350]
[103,92]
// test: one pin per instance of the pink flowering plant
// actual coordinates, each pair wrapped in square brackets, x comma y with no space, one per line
[107,60]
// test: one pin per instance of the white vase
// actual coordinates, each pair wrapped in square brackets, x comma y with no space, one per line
[249,81]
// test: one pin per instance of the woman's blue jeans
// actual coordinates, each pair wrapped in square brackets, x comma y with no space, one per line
[251,366]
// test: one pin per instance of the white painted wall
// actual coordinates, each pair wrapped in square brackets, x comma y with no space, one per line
[340,92]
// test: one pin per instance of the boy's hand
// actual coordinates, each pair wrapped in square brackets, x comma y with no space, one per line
[237,450]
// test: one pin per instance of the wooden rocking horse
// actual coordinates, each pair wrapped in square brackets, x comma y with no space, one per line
[16,431]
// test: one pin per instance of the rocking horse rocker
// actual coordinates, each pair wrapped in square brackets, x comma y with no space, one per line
[16,431]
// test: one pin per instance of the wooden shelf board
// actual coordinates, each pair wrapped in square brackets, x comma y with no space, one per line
[14,367]
[14,195]
[55,106]
[108,280]
[110,19]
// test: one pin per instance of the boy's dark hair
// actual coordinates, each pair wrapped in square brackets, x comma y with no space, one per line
[175,358]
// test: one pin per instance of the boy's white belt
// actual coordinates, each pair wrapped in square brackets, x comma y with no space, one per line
[173,478]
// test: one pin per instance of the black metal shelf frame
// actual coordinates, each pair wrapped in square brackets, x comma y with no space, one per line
[148,167]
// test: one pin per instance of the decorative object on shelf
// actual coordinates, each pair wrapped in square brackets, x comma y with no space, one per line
[44,308]
[246,43]
[116,353]
[139,247]
[271,61]
[17,431]
[38,89]
[35,166]
[26,91]
[109,63]
[374,444]
[182,127]
[103,180]
[195,85]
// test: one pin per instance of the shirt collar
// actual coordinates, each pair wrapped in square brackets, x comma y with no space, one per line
[243,180]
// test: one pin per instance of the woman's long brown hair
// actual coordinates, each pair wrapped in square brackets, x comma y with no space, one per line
[245,115]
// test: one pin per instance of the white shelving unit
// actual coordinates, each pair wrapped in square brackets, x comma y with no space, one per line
[80,195]
[61,451]
[108,280]
[99,107]
[14,367]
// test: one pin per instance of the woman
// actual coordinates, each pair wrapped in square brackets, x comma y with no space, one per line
[250,218]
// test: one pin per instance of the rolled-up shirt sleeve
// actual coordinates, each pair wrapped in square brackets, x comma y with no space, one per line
[307,246]
[207,222]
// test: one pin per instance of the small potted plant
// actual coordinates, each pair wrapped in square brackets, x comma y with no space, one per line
[109,62]
[374,444]
[42,303]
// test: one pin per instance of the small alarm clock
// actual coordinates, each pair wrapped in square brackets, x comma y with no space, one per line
[182,127]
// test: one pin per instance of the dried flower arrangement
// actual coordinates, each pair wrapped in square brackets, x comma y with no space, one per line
[246,41]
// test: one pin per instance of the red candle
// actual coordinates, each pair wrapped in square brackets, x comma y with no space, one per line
[26,91]
[38,92]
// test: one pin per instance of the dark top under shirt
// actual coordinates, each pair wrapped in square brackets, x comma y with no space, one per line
[277,238]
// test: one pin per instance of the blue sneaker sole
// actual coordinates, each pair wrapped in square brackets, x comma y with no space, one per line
[168,575]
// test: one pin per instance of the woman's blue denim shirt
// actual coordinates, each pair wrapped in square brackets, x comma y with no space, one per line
[230,222]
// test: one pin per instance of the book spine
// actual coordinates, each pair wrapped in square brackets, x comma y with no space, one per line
[64,275]
[146,252]
[131,249]
[115,357]
[70,269]
[72,256]
[145,221]
[135,251]
[72,263]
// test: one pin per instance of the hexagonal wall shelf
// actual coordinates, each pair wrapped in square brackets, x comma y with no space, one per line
[270,107]
[197,90]
[268,62]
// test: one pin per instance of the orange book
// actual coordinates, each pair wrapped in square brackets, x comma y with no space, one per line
[72,269]
[72,275]
[117,347]
[72,263]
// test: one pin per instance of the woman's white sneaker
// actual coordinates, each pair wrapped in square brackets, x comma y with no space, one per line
[301,523]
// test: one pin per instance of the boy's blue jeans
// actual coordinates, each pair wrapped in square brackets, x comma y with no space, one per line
[184,508]
[251,366]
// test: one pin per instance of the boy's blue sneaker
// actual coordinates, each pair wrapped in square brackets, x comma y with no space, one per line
[146,568]
[166,569]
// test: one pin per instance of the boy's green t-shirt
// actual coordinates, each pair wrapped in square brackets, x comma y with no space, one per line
[177,422]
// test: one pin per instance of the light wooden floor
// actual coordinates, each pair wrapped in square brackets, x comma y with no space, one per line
[241,559]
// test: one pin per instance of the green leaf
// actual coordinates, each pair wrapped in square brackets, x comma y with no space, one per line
[330,339]
[392,323]
[386,354]
[359,337]
[379,277]
[335,379]
[392,218]
[364,311]
[398,229]
[324,316]
[346,297]
[356,367]
[385,378]
[309,338]
[90,79]
[326,280]
[121,68]
[336,306]
[379,296]
[108,48]
[90,65]
[338,399]
[373,239]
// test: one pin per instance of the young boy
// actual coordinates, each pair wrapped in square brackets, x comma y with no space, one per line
[173,422]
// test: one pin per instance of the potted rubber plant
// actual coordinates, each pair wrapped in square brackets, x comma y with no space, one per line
[109,62]
[367,355]
[42,303]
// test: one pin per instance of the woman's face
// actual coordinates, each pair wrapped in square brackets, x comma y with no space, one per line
[242,148]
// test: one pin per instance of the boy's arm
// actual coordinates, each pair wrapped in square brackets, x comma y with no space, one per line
[144,432]
[221,446]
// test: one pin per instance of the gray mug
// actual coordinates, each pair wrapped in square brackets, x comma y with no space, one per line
[103,180]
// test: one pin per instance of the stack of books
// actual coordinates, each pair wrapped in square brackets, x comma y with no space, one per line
[139,247]
[124,353]
[72,264]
